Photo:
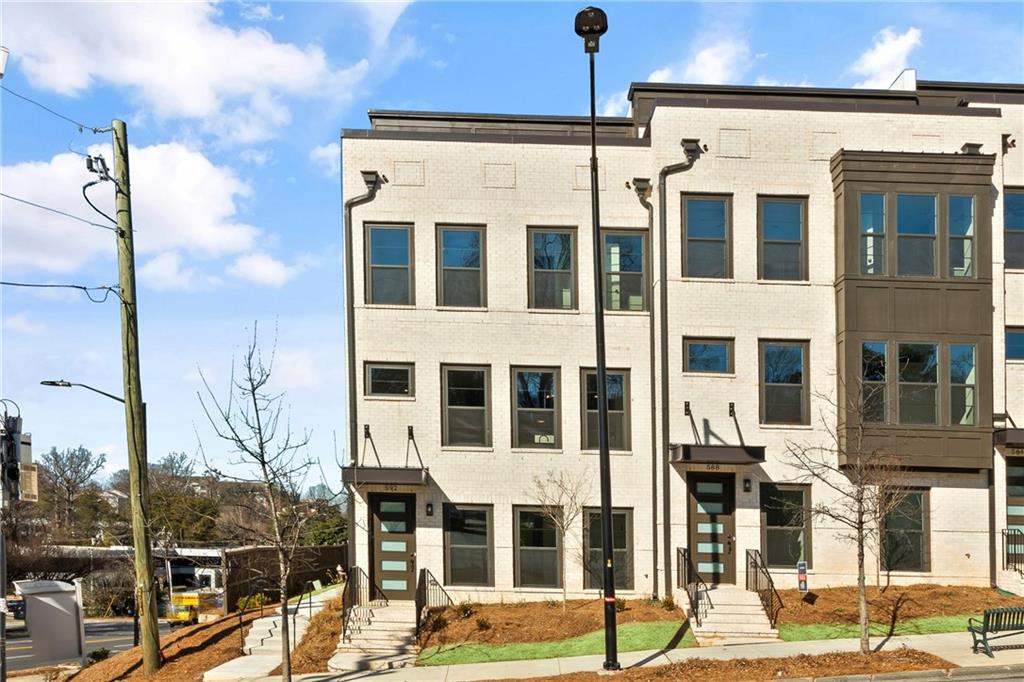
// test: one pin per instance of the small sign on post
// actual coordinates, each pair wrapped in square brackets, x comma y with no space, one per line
[801,576]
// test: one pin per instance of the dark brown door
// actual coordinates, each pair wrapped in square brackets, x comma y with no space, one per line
[712,526]
[393,545]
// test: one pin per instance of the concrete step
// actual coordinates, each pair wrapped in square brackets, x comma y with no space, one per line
[378,650]
[349,662]
[732,640]
[390,626]
[734,619]
[734,608]
[731,595]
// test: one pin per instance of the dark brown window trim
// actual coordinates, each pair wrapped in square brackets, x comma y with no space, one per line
[488,407]
[557,412]
[588,579]
[440,228]
[559,544]
[926,534]
[447,507]
[730,344]
[574,237]
[645,276]
[369,364]
[627,408]
[805,377]
[808,519]
[367,288]
[804,236]
[727,198]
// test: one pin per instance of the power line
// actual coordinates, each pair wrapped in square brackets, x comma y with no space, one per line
[107,290]
[81,126]
[58,212]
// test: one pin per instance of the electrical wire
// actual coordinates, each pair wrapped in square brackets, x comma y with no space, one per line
[58,212]
[107,290]
[92,205]
[81,126]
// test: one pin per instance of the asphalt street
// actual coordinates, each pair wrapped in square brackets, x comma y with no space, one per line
[115,635]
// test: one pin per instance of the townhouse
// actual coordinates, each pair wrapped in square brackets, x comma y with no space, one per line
[787,270]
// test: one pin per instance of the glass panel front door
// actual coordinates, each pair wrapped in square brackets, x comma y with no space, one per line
[712,526]
[393,545]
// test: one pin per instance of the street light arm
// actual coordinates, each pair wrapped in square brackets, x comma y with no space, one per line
[103,393]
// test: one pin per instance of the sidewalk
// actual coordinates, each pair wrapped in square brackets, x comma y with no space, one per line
[955,647]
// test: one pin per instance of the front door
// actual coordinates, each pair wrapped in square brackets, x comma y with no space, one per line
[712,526]
[393,545]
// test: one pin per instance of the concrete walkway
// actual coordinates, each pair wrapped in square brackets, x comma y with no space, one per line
[955,647]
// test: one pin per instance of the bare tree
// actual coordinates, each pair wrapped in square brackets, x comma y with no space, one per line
[253,421]
[864,487]
[561,499]
[69,473]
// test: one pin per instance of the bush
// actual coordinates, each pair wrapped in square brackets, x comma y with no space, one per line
[553,603]
[668,603]
[436,622]
[483,624]
[620,605]
[98,655]
[255,601]
[464,609]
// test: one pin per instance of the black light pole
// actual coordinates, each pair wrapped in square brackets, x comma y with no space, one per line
[591,24]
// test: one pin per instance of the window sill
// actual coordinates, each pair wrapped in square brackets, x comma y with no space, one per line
[791,282]
[475,588]
[724,280]
[538,590]
[391,398]
[613,453]
[1015,361]
[554,311]
[628,313]
[461,309]
[467,448]
[389,306]
[527,451]
[710,375]
[787,427]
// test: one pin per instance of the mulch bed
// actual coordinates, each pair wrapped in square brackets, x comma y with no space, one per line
[188,653]
[320,641]
[544,621]
[839,604]
[762,669]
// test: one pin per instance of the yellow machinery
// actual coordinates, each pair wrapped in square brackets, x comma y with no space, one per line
[184,608]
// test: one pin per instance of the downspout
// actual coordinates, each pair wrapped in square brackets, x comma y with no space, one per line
[692,150]
[642,186]
[374,180]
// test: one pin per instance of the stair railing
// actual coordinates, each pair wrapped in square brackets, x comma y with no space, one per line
[760,580]
[1013,549]
[307,588]
[430,595]
[689,579]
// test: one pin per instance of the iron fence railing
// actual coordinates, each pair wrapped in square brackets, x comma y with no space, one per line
[760,580]
[1013,549]
[430,595]
[359,595]
[689,579]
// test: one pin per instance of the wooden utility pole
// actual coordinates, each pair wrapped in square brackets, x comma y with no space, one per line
[134,408]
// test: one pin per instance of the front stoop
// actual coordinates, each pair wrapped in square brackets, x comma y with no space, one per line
[378,638]
[732,615]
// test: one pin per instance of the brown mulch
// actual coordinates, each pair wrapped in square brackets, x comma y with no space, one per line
[543,621]
[188,653]
[839,604]
[320,641]
[763,669]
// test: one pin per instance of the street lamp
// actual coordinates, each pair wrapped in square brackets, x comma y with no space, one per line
[61,383]
[591,24]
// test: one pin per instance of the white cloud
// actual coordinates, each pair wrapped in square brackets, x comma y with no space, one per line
[381,16]
[180,62]
[327,157]
[880,64]
[165,273]
[180,201]
[262,268]
[251,11]
[771,82]
[295,368]
[21,323]
[256,157]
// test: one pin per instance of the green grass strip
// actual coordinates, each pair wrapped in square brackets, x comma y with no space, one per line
[305,597]
[791,632]
[632,637]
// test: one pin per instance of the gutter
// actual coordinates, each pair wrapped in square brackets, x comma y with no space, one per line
[692,150]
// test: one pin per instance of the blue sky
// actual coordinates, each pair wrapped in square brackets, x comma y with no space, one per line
[233,112]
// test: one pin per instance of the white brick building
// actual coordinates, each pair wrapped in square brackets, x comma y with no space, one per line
[816,227]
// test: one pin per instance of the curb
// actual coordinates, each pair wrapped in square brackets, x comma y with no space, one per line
[987,672]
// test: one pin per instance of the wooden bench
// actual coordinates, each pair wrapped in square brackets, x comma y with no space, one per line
[1002,622]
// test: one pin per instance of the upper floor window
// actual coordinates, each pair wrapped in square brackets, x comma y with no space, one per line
[706,237]
[707,355]
[873,381]
[625,270]
[961,236]
[389,262]
[617,384]
[1015,343]
[460,280]
[552,269]
[918,383]
[915,235]
[784,382]
[535,408]
[872,233]
[466,410]
[962,384]
[1013,228]
[388,379]
[782,233]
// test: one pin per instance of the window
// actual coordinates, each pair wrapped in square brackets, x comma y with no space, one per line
[1013,226]
[535,408]
[786,520]
[552,269]
[708,355]
[783,382]
[467,406]
[460,280]
[905,534]
[538,549]
[622,549]
[617,384]
[625,271]
[918,383]
[782,236]
[962,383]
[390,265]
[706,237]
[915,232]
[468,545]
[872,355]
[872,234]
[961,236]
[1015,343]
[386,379]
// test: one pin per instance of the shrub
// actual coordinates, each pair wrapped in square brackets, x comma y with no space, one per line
[668,603]
[436,623]
[255,601]
[464,609]
[620,605]
[99,655]
[483,624]
[553,603]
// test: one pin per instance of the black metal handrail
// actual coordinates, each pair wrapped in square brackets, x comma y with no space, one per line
[307,588]
[1013,549]
[258,584]
[360,592]
[760,580]
[689,579]
[430,595]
